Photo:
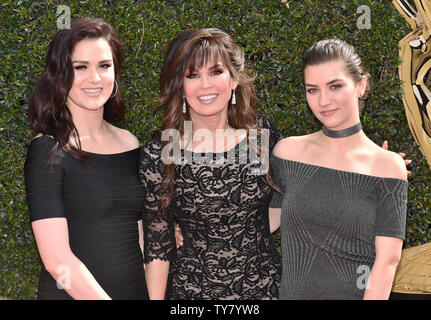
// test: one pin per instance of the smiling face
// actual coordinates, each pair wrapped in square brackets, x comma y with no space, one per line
[333,95]
[93,75]
[208,89]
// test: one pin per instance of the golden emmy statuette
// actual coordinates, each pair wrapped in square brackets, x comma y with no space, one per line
[414,271]
[415,52]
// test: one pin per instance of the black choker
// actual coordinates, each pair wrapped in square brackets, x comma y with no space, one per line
[342,133]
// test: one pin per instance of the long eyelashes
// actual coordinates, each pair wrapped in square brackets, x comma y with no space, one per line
[84,67]
[333,88]
[191,75]
[195,75]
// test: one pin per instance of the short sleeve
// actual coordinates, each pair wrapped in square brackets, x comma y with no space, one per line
[276,168]
[43,180]
[159,238]
[392,209]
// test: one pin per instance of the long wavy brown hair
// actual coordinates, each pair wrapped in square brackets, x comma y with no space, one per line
[49,114]
[190,50]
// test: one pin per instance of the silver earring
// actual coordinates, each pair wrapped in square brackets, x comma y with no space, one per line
[233,97]
[116,89]
[184,105]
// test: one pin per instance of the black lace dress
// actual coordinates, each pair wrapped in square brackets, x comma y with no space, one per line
[221,206]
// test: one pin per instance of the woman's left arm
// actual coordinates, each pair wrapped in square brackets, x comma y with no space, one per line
[141,235]
[388,255]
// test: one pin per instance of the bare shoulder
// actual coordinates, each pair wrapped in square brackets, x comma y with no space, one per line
[126,137]
[282,147]
[389,164]
[289,147]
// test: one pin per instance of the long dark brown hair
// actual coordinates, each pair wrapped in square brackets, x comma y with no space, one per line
[49,114]
[190,50]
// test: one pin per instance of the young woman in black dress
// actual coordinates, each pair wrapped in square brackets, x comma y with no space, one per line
[81,172]
[219,200]
[344,199]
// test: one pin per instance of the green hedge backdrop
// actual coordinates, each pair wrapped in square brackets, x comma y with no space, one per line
[274,38]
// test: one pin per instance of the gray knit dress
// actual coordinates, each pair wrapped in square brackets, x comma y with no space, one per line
[329,221]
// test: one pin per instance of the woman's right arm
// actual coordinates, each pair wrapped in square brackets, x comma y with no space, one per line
[156,275]
[44,186]
[274,219]
[53,243]
[276,170]
[159,239]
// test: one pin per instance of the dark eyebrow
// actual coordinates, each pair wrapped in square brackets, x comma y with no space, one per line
[216,65]
[86,62]
[335,80]
[329,83]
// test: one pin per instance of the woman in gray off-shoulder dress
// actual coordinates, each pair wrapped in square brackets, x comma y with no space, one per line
[343,199]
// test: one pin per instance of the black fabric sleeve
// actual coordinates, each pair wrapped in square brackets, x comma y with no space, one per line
[43,181]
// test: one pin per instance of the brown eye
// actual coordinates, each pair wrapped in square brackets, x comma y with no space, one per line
[217,72]
[191,75]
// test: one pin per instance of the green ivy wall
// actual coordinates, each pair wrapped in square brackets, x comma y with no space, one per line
[274,38]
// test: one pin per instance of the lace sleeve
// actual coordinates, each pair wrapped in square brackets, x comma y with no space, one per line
[159,239]
[275,134]
[277,170]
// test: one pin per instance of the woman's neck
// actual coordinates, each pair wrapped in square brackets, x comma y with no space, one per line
[343,144]
[211,123]
[89,124]
[212,134]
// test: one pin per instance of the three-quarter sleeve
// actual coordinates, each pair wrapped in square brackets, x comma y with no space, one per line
[159,238]
[275,134]
[43,180]
[276,170]
[392,209]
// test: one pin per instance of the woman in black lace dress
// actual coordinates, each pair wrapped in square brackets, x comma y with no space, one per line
[209,174]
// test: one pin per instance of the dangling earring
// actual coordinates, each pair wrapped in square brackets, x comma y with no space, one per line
[184,105]
[116,89]
[233,97]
